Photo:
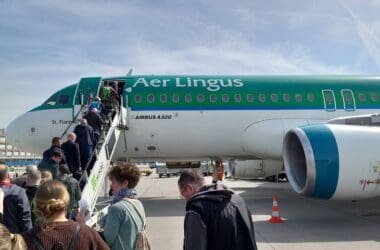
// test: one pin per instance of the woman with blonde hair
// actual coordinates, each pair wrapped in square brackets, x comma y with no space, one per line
[9,241]
[57,232]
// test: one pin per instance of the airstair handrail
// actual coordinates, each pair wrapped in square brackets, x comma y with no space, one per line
[72,122]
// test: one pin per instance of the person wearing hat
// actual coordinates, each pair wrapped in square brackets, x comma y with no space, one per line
[97,103]
[51,164]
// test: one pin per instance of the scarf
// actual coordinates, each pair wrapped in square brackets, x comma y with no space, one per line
[124,193]
[5,182]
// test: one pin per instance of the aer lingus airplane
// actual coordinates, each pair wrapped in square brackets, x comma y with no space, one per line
[285,118]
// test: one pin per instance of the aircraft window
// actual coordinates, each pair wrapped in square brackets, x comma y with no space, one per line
[138,98]
[329,97]
[176,98]
[274,97]
[249,98]
[213,98]
[225,98]
[298,97]
[51,101]
[374,97]
[63,99]
[286,97]
[163,98]
[237,98]
[347,97]
[310,97]
[262,98]
[188,98]
[201,98]
[150,98]
[362,97]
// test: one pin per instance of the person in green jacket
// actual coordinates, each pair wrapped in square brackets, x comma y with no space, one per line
[123,221]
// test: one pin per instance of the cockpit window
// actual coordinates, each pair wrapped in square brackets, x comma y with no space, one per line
[63,99]
[51,101]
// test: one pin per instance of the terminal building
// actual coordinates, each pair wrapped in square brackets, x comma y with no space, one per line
[13,156]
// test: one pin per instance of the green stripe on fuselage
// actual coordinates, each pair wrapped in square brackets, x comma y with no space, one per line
[275,92]
[268,92]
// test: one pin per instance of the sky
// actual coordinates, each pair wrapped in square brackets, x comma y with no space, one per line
[46,45]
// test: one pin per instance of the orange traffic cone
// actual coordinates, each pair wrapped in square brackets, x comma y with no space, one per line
[275,212]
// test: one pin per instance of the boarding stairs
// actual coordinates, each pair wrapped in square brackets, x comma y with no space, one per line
[96,184]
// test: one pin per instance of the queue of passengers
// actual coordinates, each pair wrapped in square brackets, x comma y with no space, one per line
[216,217]
[52,226]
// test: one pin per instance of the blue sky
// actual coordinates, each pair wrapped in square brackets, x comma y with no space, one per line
[46,45]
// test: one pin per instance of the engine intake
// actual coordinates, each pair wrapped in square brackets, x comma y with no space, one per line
[331,161]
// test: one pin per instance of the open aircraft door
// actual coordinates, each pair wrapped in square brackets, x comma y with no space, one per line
[87,88]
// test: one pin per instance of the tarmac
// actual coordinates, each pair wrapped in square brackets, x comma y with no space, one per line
[308,223]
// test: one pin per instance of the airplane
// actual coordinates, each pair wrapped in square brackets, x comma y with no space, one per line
[321,127]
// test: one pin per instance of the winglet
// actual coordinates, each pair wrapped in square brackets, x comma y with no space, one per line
[130,72]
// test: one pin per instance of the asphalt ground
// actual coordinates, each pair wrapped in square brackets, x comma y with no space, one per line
[308,223]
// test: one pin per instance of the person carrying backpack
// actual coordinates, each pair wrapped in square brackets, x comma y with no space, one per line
[125,223]
[72,186]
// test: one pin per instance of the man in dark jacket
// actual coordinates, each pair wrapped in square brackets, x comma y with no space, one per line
[56,143]
[71,150]
[216,217]
[85,139]
[17,215]
[51,164]
[96,122]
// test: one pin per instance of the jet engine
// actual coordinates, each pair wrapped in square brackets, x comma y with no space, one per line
[333,161]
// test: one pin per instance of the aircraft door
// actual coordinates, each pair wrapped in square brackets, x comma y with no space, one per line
[348,100]
[329,100]
[87,88]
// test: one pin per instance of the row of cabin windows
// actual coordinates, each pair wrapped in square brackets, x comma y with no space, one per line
[225,98]
[237,98]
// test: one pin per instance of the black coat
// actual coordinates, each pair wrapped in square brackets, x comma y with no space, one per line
[217,218]
[47,154]
[72,153]
[85,135]
[94,120]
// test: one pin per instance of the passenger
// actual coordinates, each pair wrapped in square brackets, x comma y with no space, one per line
[56,144]
[32,183]
[114,95]
[10,241]
[46,176]
[71,150]
[97,103]
[85,139]
[120,230]
[51,164]
[57,232]
[72,186]
[96,122]
[216,217]
[17,215]
[21,180]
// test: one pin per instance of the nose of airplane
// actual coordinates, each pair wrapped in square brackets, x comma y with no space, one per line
[17,132]
[12,132]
